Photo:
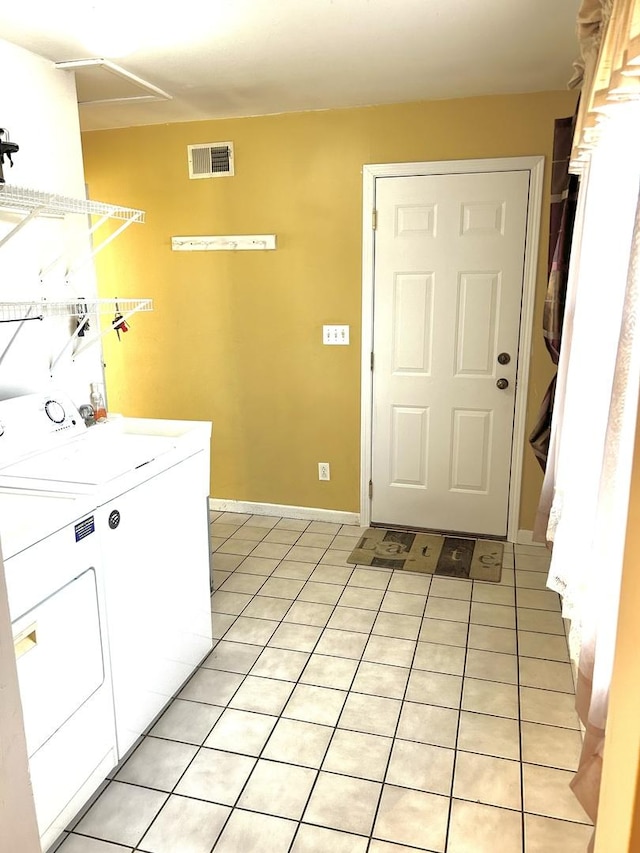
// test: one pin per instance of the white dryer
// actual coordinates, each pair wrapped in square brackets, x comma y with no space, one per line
[57,606]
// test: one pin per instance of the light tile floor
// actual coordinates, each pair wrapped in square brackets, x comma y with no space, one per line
[354,710]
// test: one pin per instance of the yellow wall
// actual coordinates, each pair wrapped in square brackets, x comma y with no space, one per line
[236,337]
[619,807]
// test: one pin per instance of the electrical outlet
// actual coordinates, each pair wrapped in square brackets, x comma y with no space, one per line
[324,471]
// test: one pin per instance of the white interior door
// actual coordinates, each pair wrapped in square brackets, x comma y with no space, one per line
[448,279]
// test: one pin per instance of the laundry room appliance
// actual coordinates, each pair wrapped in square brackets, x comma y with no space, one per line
[145,482]
[56,600]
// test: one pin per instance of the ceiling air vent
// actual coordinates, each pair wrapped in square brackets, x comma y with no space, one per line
[212,160]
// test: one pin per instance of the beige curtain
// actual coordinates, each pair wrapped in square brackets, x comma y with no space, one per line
[585,494]
[608,71]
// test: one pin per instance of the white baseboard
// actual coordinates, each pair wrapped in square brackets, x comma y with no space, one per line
[305,513]
[525,537]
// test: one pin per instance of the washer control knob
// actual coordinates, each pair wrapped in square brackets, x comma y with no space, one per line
[55,411]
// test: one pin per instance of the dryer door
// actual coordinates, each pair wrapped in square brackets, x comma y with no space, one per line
[59,656]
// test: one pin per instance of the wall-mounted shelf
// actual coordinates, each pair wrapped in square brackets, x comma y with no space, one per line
[51,204]
[34,203]
[31,203]
[81,309]
[16,312]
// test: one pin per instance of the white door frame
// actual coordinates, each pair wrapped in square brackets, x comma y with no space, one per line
[534,165]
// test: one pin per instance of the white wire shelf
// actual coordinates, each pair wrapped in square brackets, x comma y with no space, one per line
[17,312]
[52,204]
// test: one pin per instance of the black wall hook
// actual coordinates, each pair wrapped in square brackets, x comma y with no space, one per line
[7,149]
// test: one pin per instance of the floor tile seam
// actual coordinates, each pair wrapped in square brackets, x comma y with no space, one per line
[60,840]
[457,734]
[238,570]
[332,773]
[398,613]
[434,594]
[406,787]
[245,526]
[555,817]
[295,679]
[491,680]
[552,725]
[467,711]
[262,619]
[125,847]
[520,735]
[260,757]
[317,769]
[202,744]
[172,791]
[341,548]
[529,608]
[242,592]
[491,754]
[155,817]
[302,823]
[287,762]
[281,717]
[524,656]
[528,762]
[486,803]
[372,633]
[373,838]
[394,737]
[362,659]
[546,633]
[323,628]
[364,586]
[75,821]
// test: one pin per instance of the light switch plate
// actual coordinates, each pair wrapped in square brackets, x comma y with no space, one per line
[335,335]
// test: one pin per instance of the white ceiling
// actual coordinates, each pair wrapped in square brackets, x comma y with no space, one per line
[225,58]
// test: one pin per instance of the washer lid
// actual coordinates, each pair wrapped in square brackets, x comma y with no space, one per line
[90,460]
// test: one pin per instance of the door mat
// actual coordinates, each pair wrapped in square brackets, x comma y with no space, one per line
[430,553]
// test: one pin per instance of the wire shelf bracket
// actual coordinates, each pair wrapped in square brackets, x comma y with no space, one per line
[126,308]
[32,203]
[83,309]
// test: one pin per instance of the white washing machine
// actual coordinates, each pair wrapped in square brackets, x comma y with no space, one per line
[145,486]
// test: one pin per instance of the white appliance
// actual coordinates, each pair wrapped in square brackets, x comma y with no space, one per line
[145,485]
[56,601]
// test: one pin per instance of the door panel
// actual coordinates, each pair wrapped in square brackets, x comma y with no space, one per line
[470,445]
[476,324]
[410,437]
[448,275]
[412,324]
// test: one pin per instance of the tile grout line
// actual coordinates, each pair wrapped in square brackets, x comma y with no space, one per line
[455,747]
[280,717]
[397,725]
[335,727]
[232,808]
[520,737]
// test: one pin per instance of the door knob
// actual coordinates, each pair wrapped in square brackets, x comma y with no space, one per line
[502,383]
[504,358]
